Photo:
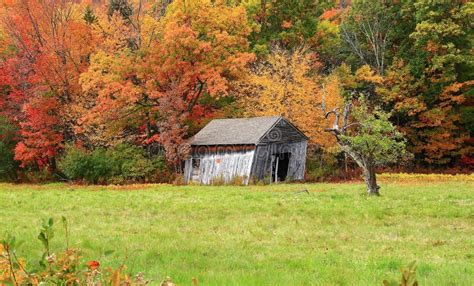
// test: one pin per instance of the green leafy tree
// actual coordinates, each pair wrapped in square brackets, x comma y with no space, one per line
[287,23]
[368,137]
[429,86]
[327,43]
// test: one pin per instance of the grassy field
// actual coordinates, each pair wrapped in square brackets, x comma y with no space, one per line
[260,235]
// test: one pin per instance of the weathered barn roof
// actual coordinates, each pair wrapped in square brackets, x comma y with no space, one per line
[238,131]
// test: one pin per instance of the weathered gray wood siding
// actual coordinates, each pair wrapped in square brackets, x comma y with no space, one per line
[217,162]
[264,156]
[283,132]
[223,165]
[188,168]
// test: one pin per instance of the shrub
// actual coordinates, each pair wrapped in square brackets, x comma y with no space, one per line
[75,163]
[101,169]
[120,164]
[321,166]
[7,164]
[36,176]
[7,144]
[130,164]
[91,167]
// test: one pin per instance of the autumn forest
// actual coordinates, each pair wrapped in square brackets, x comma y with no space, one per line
[84,83]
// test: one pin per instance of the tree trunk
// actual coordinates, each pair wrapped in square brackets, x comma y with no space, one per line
[164,5]
[370,179]
[368,168]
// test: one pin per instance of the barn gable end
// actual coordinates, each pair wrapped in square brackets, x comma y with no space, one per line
[282,131]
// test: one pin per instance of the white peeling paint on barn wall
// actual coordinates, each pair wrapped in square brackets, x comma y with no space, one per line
[226,166]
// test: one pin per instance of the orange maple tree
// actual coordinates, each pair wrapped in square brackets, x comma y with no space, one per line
[193,50]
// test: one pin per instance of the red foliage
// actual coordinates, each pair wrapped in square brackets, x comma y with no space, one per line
[41,137]
[93,264]
[51,46]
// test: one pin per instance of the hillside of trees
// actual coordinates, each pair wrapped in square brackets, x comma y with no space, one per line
[111,90]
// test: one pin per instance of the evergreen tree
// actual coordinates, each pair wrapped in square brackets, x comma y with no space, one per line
[89,15]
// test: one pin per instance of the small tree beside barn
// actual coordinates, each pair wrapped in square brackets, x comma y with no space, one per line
[269,149]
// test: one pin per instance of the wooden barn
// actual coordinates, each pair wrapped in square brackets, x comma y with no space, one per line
[269,149]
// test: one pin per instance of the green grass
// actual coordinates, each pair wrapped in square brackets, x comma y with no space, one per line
[260,235]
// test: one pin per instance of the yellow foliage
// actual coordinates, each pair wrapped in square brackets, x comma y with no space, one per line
[368,75]
[288,84]
[424,178]
[332,92]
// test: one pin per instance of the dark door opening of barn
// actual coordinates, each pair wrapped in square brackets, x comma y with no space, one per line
[280,166]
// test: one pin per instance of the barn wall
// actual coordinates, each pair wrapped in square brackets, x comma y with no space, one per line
[187,170]
[261,169]
[225,165]
[298,160]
